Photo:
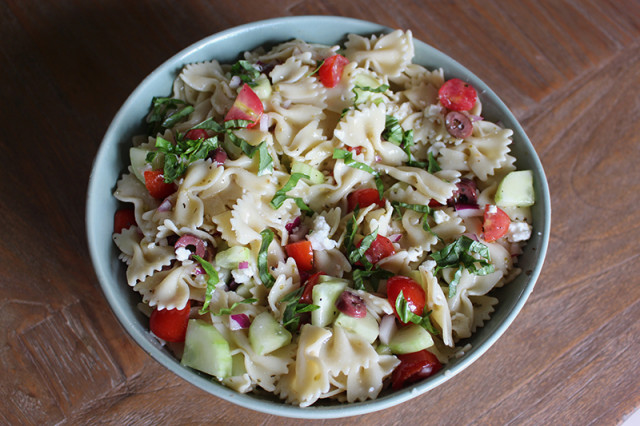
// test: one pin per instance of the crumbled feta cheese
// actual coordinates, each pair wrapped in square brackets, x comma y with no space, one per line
[493,209]
[440,216]
[319,236]
[242,276]
[182,253]
[518,231]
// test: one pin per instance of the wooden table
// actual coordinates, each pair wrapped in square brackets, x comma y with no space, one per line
[570,71]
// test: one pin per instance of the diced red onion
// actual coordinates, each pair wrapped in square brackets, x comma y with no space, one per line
[475,118]
[243,265]
[198,270]
[165,206]
[286,104]
[239,321]
[293,225]
[387,328]
[235,81]
[473,236]
[377,158]
[191,240]
[265,122]
[395,237]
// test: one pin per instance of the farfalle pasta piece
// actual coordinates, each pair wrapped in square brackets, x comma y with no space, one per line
[388,54]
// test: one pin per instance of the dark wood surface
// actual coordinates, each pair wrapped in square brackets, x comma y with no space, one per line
[569,70]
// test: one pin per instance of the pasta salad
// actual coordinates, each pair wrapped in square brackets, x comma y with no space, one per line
[320,221]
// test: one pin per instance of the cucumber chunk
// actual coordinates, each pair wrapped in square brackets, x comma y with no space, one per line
[367,326]
[266,334]
[325,295]
[516,190]
[231,257]
[411,338]
[315,175]
[206,350]
[262,87]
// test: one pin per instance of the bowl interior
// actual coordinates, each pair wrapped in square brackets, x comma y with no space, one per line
[226,46]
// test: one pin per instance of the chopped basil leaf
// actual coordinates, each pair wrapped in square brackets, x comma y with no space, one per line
[227,311]
[319,65]
[246,71]
[392,130]
[281,194]
[433,164]
[373,275]
[406,316]
[263,267]
[341,154]
[165,113]
[303,206]
[359,91]
[351,229]
[291,314]
[420,208]
[212,281]
[178,156]
[265,161]
[459,254]
[210,124]
[357,255]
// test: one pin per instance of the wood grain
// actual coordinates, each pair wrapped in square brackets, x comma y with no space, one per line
[570,71]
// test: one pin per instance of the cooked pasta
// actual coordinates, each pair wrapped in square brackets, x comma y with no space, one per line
[301,186]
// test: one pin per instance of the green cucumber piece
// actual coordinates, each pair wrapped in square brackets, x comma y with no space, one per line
[231,257]
[139,164]
[262,87]
[366,327]
[410,338]
[206,350]
[365,80]
[383,349]
[325,295]
[266,334]
[329,278]
[315,175]
[516,190]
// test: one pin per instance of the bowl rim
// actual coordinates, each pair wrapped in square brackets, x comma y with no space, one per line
[250,401]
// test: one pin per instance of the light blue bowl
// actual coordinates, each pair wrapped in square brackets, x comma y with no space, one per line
[226,46]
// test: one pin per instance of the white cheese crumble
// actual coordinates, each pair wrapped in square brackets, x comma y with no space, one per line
[429,265]
[319,236]
[493,209]
[242,276]
[182,254]
[518,231]
[440,216]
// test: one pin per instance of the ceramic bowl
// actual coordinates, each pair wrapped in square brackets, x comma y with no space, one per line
[226,46]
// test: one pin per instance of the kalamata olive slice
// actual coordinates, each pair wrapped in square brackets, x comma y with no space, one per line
[466,193]
[351,304]
[188,240]
[219,156]
[458,125]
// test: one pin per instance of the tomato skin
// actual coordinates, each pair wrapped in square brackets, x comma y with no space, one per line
[170,324]
[330,71]
[380,248]
[413,367]
[157,187]
[302,253]
[496,224]
[412,291]
[195,134]
[364,197]
[355,149]
[457,95]
[123,219]
[308,287]
[247,106]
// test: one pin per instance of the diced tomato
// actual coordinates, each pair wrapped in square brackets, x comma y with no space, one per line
[457,95]
[414,367]
[247,106]
[380,248]
[355,149]
[434,203]
[364,197]
[195,134]
[330,72]
[170,324]
[302,253]
[412,292]
[157,187]
[123,219]
[496,223]
[308,287]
